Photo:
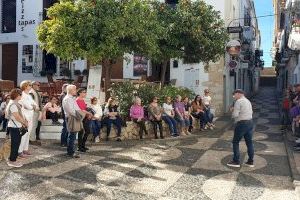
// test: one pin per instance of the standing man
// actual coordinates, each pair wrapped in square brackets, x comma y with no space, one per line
[70,107]
[64,131]
[35,134]
[242,114]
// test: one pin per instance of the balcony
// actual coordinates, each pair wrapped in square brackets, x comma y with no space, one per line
[294,39]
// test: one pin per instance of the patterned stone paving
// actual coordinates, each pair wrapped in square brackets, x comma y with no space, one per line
[184,168]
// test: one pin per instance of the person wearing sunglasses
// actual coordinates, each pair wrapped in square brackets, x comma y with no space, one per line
[36,126]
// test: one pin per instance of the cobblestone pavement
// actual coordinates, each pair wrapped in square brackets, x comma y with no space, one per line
[191,167]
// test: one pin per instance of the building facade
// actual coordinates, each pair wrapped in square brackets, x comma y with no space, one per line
[286,43]
[20,55]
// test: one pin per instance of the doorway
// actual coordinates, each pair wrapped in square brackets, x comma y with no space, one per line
[10,62]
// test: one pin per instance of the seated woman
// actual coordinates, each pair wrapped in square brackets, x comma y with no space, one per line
[168,116]
[181,117]
[198,111]
[112,116]
[95,123]
[137,116]
[155,114]
[187,112]
[51,110]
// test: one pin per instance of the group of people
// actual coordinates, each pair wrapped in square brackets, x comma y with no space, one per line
[23,110]
[291,112]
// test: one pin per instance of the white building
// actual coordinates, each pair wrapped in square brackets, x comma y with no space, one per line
[20,55]
[286,43]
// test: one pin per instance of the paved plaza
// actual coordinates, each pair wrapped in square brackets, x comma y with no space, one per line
[191,167]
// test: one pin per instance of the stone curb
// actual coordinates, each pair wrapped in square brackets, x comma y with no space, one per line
[290,153]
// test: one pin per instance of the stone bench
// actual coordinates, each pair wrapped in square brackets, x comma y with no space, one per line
[131,131]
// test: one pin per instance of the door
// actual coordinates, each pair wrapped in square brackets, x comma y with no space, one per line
[10,62]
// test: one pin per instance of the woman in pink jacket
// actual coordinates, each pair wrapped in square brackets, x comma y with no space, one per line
[137,116]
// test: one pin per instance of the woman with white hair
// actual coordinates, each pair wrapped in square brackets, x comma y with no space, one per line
[28,108]
[138,117]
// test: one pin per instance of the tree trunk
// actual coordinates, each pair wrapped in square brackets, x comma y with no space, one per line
[107,65]
[163,72]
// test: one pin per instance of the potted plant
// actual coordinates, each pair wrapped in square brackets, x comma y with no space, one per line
[66,72]
[85,73]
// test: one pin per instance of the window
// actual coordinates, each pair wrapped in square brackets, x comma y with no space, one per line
[27,59]
[8,16]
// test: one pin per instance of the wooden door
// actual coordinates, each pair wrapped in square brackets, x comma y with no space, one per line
[10,62]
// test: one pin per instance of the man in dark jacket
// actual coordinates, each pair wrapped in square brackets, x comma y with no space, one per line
[64,131]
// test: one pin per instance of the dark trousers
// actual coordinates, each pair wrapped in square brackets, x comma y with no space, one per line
[95,126]
[83,134]
[53,116]
[117,122]
[15,143]
[142,127]
[38,130]
[71,143]
[158,124]
[285,117]
[243,129]
[202,118]
[64,134]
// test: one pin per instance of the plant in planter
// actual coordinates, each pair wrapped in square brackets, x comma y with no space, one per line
[66,72]
[43,73]
[125,93]
[77,72]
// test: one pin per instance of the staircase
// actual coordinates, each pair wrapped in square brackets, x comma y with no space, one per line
[48,131]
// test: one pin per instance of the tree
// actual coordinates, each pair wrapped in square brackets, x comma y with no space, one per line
[193,31]
[100,30]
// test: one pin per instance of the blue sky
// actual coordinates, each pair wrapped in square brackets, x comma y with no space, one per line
[266,24]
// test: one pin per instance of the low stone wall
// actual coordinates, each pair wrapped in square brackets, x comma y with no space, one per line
[132,130]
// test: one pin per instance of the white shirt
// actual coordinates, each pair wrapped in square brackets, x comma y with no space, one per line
[98,109]
[27,103]
[206,100]
[168,109]
[13,109]
[242,110]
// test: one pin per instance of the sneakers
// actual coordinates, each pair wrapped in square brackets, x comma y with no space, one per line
[14,164]
[27,153]
[249,163]
[23,156]
[233,164]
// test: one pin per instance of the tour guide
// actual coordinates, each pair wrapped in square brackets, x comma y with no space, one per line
[242,114]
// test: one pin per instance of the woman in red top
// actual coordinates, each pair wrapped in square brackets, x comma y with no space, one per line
[83,134]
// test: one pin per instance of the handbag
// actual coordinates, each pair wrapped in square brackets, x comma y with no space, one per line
[23,130]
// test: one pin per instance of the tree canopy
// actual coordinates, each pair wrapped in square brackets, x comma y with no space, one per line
[107,29]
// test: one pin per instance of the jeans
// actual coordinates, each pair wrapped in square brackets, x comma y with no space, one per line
[95,125]
[83,134]
[117,122]
[202,118]
[183,122]
[209,115]
[243,129]
[64,134]
[15,143]
[156,123]
[71,143]
[171,123]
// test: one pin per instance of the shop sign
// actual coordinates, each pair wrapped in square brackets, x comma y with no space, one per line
[23,22]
